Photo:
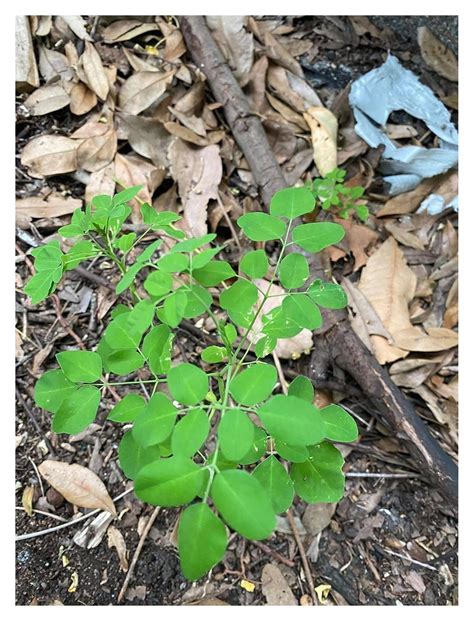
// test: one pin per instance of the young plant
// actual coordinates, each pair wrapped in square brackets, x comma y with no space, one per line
[330,191]
[218,438]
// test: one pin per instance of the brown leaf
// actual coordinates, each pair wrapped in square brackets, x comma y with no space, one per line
[275,587]
[97,151]
[436,55]
[278,52]
[82,99]
[389,285]
[126,29]
[198,172]
[235,43]
[175,129]
[358,238]
[435,339]
[317,517]
[27,499]
[143,89]
[403,236]
[77,484]
[115,540]
[101,182]
[53,206]
[53,64]
[293,90]
[415,580]
[287,113]
[94,72]
[50,155]
[129,172]
[323,125]
[26,70]
[47,99]
[146,136]
[77,24]
[174,43]
[44,25]
[191,122]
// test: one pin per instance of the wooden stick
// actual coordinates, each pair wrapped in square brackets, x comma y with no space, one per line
[304,558]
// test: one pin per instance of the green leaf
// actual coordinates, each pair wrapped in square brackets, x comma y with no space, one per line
[229,334]
[194,243]
[128,278]
[240,296]
[202,540]
[125,242]
[190,433]
[235,433]
[301,387]
[339,424]
[134,457]
[201,259]
[157,347]
[77,411]
[257,448]
[214,273]
[123,332]
[275,481]
[81,251]
[158,283]
[303,311]
[279,324]
[173,262]
[243,319]
[199,301]
[42,284]
[265,346]
[243,503]
[294,270]
[169,482]
[70,230]
[149,251]
[295,454]
[213,354]
[320,479]
[292,420]
[47,257]
[52,388]
[173,309]
[254,264]
[156,422]
[292,202]
[254,384]
[187,383]
[126,195]
[327,294]
[125,361]
[362,212]
[316,236]
[259,226]
[80,366]
[142,314]
[127,410]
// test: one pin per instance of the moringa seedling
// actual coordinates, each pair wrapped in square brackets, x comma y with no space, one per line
[218,438]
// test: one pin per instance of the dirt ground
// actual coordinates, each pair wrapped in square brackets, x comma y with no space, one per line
[391,540]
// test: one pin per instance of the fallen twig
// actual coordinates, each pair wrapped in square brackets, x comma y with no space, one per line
[304,558]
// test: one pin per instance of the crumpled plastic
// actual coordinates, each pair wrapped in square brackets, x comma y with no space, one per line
[434,204]
[390,87]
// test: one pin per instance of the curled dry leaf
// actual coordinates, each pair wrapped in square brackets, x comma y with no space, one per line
[82,99]
[77,484]
[143,89]
[278,52]
[275,587]
[94,72]
[389,285]
[292,89]
[47,99]
[78,26]
[235,43]
[358,239]
[50,155]
[115,540]
[198,172]
[436,55]
[323,125]
[147,137]
[53,64]
[126,29]
[35,207]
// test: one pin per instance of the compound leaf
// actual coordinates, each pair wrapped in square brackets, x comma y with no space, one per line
[259,226]
[320,478]
[80,366]
[77,411]
[156,422]
[190,433]
[292,420]
[254,384]
[240,296]
[52,388]
[187,383]
[235,433]
[294,270]
[133,457]
[169,482]
[275,481]
[292,202]
[316,236]
[254,264]
[127,410]
[339,424]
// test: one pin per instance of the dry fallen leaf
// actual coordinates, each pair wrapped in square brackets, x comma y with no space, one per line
[198,172]
[278,52]
[389,285]
[47,99]
[436,55]
[435,339]
[77,484]
[101,182]
[97,151]
[323,125]
[275,587]
[143,89]
[236,44]
[78,25]
[26,70]
[27,499]
[293,90]
[126,29]
[115,540]
[82,99]
[53,206]
[50,155]
[94,72]
[404,236]
[130,171]
[147,137]
[358,238]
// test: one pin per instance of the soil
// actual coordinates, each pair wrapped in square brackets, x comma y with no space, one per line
[380,520]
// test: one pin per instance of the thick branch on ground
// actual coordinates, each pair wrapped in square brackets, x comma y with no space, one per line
[338,339]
